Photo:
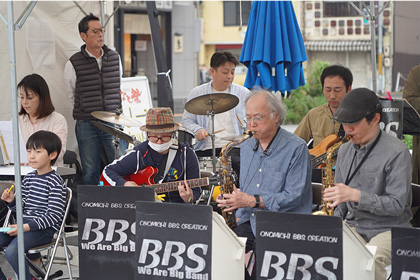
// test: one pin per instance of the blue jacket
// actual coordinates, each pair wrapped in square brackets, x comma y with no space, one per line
[142,156]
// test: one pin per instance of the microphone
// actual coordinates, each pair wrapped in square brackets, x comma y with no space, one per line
[56,274]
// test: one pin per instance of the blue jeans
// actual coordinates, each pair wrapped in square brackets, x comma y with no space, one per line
[92,141]
[30,239]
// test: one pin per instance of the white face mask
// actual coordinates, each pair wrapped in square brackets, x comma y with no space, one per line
[160,147]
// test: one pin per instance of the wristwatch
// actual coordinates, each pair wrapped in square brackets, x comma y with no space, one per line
[257,201]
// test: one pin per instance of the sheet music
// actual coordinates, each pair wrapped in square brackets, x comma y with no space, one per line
[6,129]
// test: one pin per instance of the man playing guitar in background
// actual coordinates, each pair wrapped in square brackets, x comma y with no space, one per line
[166,160]
[336,82]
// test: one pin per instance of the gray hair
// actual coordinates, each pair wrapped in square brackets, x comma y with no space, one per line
[274,104]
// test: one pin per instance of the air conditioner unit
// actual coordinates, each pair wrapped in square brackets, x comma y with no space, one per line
[387,51]
[387,62]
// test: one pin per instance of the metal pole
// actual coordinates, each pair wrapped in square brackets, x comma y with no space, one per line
[102,4]
[380,59]
[16,153]
[373,46]
[164,86]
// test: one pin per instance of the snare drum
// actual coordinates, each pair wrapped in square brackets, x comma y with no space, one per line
[206,163]
[185,135]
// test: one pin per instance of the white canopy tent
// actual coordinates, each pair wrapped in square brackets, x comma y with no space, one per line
[41,41]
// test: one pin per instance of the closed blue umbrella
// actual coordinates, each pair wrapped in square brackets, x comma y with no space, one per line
[273,48]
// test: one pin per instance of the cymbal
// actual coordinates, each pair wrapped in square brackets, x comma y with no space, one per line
[116,119]
[212,102]
[114,131]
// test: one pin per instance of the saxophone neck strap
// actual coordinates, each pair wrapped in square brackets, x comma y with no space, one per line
[349,178]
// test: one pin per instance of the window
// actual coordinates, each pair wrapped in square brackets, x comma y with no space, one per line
[343,9]
[231,12]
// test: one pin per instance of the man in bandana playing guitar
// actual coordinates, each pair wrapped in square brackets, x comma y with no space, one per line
[160,160]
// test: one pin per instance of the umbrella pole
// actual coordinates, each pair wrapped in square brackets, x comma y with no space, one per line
[373,50]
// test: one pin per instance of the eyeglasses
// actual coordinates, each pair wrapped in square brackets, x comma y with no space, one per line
[97,31]
[256,120]
[164,139]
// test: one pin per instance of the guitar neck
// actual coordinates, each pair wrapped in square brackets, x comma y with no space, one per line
[173,186]
[321,158]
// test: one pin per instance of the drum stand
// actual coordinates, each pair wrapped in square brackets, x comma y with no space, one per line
[117,147]
[213,149]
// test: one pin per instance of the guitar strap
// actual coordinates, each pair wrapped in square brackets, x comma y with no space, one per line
[349,178]
[185,163]
[171,156]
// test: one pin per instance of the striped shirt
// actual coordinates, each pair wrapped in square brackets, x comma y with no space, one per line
[43,200]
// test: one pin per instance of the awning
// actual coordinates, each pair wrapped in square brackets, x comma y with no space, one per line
[338,46]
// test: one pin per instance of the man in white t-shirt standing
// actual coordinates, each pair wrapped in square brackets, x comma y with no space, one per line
[223,64]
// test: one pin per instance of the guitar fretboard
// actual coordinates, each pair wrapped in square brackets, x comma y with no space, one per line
[173,186]
[321,158]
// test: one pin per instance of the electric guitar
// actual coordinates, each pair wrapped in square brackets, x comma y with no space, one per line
[145,177]
[319,153]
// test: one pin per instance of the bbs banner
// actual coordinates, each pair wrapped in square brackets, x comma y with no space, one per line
[406,253]
[297,246]
[173,241]
[392,117]
[107,218]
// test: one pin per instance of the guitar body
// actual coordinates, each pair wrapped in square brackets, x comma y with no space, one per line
[145,176]
[318,153]
[324,145]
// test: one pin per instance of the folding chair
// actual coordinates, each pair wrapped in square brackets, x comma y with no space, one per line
[70,159]
[59,239]
[316,196]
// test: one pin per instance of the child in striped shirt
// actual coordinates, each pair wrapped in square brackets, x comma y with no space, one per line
[43,199]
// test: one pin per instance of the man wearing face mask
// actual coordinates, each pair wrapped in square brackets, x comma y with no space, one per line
[170,160]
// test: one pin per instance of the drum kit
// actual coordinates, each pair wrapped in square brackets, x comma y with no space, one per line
[210,105]
[119,120]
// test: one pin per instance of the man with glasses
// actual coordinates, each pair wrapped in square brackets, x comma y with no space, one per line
[170,161]
[93,78]
[275,168]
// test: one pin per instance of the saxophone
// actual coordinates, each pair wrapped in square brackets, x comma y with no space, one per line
[225,175]
[328,177]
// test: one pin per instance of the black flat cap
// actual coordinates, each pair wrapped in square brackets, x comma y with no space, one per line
[356,105]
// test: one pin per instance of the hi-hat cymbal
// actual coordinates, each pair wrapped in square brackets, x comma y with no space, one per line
[114,131]
[116,119]
[212,102]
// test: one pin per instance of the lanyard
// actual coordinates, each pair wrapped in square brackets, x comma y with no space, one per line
[348,180]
